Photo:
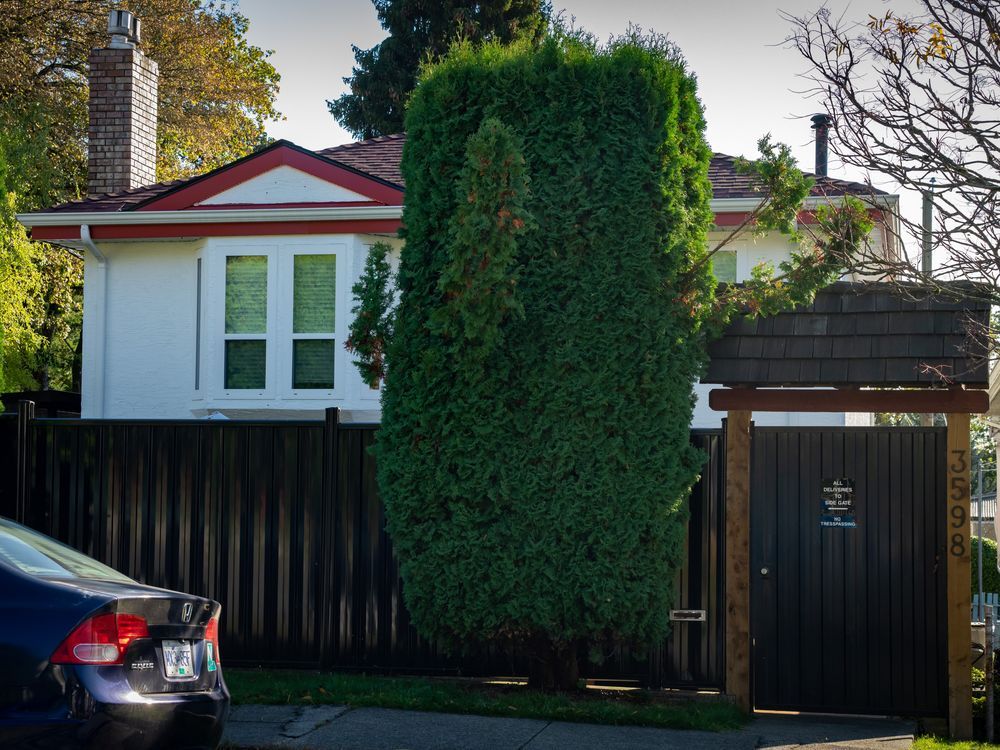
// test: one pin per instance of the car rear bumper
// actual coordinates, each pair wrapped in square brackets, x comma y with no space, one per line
[151,722]
[193,720]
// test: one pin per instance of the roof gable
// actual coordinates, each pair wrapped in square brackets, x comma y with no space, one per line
[280,175]
[282,185]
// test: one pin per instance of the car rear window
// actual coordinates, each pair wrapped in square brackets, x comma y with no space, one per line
[39,555]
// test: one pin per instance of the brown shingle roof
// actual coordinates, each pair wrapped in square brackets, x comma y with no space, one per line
[120,201]
[380,157]
[728,183]
[855,334]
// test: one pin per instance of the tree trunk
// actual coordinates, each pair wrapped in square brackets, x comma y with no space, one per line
[554,666]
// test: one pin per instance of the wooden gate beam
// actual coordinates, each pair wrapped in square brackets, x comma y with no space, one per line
[737,569]
[959,570]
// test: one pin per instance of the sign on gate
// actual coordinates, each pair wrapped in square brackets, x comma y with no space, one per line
[837,503]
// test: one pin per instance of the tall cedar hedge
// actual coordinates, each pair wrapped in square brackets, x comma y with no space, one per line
[534,455]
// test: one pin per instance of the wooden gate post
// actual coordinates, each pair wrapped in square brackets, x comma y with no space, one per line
[737,567]
[959,570]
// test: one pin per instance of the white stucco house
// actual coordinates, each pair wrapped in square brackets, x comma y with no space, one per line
[230,293]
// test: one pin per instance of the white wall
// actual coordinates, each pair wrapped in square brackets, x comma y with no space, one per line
[149,362]
[704,417]
[148,334]
[152,326]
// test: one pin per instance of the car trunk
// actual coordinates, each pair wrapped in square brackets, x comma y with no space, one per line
[176,657]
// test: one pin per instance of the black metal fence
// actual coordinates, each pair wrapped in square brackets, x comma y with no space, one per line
[282,523]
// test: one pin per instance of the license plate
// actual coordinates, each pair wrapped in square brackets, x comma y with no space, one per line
[177,660]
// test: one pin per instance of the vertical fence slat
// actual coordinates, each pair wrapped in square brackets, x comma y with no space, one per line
[25,416]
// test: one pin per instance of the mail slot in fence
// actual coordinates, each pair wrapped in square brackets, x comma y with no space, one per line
[687,615]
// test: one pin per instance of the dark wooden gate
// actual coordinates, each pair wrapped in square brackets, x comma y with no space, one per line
[849,619]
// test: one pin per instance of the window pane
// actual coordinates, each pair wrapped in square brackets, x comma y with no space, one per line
[246,364]
[246,294]
[312,363]
[724,266]
[315,294]
[38,555]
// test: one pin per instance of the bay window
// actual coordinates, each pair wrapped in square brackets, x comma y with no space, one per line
[275,312]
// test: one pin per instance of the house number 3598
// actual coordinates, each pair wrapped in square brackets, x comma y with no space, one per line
[958,487]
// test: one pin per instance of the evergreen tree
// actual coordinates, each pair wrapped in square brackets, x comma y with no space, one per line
[372,325]
[420,30]
[534,456]
[555,300]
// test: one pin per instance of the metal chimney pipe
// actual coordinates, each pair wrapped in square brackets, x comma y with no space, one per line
[927,239]
[821,124]
[125,29]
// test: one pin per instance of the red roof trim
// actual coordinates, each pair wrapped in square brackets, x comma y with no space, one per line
[216,229]
[189,194]
[68,232]
[735,218]
[234,206]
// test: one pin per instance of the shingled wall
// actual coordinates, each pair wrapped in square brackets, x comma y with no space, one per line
[857,334]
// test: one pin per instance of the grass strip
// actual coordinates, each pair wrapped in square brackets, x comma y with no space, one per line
[617,707]
[940,743]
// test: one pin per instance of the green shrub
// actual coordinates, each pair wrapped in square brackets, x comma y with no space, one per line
[991,576]
[534,456]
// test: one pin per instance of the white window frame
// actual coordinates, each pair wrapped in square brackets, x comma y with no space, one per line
[280,297]
[216,374]
[286,324]
[736,264]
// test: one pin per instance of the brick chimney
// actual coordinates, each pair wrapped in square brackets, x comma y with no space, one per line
[121,151]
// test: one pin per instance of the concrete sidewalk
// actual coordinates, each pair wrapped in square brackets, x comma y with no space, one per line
[341,728]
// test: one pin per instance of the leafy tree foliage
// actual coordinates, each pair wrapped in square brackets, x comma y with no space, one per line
[216,93]
[915,96]
[19,286]
[419,30]
[216,90]
[40,298]
[820,250]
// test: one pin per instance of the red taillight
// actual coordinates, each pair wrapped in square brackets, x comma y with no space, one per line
[101,640]
[212,636]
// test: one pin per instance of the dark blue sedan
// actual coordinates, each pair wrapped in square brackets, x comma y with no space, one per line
[91,658]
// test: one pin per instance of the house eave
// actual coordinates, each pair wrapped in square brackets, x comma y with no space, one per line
[324,213]
[738,205]
[213,216]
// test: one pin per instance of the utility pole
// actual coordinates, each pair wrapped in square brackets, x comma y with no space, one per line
[927,259]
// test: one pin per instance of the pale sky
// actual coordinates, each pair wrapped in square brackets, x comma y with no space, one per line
[748,81]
